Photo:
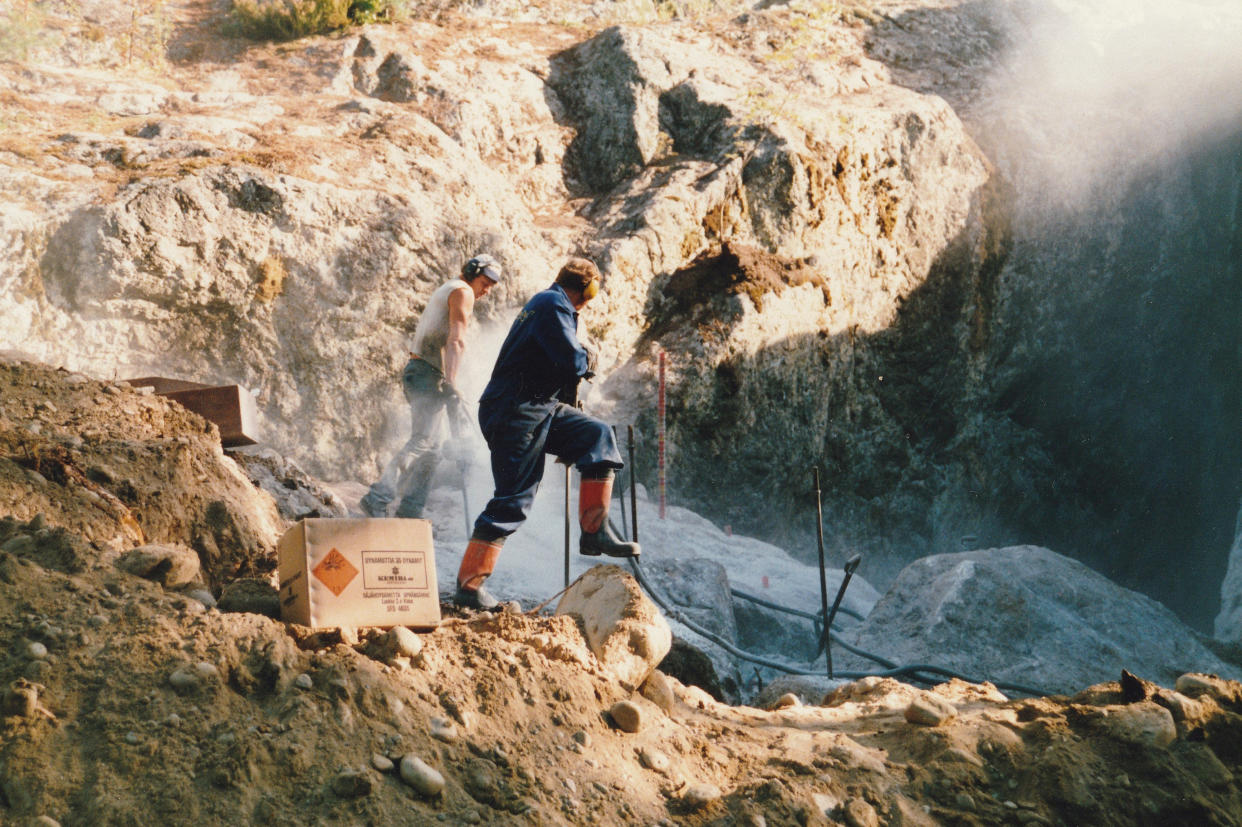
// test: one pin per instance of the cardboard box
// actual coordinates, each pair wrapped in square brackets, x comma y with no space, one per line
[359,572]
[229,406]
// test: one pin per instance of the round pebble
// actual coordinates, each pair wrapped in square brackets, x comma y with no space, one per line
[627,716]
[443,730]
[37,650]
[700,795]
[404,643]
[425,780]
[785,701]
[203,597]
[653,759]
[304,681]
[183,679]
[381,763]
[583,737]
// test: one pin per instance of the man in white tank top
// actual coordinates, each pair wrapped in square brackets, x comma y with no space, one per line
[429,383]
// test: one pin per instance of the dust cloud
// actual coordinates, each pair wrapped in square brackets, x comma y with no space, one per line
[1095,92]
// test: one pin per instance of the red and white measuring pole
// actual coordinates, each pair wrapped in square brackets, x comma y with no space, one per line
[660,410]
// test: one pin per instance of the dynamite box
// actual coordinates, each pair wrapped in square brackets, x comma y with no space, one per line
[359,572]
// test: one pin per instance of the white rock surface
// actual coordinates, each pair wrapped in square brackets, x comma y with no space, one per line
[623,627]
[171,565]
[1027,615]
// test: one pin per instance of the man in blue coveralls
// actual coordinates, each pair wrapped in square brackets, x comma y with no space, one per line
[523,418]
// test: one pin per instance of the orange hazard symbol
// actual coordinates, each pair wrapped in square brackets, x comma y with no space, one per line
[335,572]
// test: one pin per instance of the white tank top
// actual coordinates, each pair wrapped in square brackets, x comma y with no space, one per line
[432,332]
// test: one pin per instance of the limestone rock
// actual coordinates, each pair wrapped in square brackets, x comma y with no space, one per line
[1031,616]
[699,589]
[859,813]
[352,783]
[170,565]
[928,710]
[623,627]
[1145,723]
[693,667]
[296,494]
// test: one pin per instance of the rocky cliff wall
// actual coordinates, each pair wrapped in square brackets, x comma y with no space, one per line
[818,211]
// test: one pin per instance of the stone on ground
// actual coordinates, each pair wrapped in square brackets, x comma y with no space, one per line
[623,627]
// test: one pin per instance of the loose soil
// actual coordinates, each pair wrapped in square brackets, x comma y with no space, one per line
[285,725]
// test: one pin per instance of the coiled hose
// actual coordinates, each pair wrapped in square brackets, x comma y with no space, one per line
[917,673]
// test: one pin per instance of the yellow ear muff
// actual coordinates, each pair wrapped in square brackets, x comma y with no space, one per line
[591,290]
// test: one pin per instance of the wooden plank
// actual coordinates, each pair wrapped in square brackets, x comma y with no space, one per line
[163,385]
[229,406]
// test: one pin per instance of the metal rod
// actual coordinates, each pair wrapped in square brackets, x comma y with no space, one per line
[567,483]
[633,485]
[825,641]
[660,409]
[850,567]
[625,530]
[823,576]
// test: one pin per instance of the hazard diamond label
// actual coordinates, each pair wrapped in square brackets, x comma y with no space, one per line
[335,572]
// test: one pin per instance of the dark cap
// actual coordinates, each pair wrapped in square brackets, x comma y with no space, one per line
[481,265]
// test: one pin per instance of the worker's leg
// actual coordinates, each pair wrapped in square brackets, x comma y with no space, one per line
[515,435]
[420,383]
[516,438]
[590,444]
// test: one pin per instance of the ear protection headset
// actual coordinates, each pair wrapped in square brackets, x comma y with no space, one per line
[591,290]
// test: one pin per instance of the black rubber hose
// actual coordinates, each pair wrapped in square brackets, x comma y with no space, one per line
[796,612]
[913,672]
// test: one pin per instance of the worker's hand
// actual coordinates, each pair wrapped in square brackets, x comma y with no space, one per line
[459,416]
[448,389]
[592,353]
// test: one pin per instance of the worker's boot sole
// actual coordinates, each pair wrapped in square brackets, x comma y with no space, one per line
[587,548]
[479,600]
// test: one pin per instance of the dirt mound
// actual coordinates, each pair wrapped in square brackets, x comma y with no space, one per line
[125,703]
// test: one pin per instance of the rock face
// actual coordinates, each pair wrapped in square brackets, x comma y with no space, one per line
[1028,616]
[841,238]
[697,588]
[624,629]
[300,277]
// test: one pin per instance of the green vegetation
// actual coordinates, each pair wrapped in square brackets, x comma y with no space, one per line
[292,19]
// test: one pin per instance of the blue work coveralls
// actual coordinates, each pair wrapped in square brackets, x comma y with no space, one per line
[521,418]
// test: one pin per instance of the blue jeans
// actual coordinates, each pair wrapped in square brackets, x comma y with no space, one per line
[407,476]
[519,434]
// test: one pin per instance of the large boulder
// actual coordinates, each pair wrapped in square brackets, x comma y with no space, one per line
[624,629]
[698,589]
[1029,616]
